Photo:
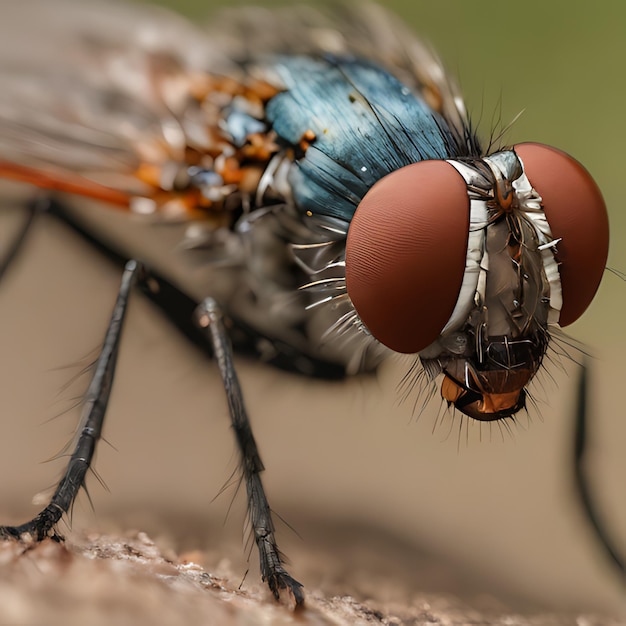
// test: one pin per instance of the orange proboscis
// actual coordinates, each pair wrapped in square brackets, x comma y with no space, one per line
[490,403]
[66,184]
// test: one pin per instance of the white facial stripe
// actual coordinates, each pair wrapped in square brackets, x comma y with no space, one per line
[472,287]
[473,258]
[530,204]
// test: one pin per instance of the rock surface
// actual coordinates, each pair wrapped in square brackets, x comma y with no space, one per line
[103,579]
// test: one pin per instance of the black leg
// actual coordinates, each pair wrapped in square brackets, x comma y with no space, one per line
[90,429]
[209,317]
[581,480]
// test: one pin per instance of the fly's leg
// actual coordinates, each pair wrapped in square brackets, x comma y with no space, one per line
[209,317]
[90,429]
[581,479]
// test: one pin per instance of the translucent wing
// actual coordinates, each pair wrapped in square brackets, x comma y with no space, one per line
[95,90]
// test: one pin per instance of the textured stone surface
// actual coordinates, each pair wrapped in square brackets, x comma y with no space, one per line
[103,579]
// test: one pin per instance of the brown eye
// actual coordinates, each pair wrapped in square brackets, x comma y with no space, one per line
[405,254]
[577,215]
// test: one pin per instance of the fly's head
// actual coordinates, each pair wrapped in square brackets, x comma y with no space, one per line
[489,354]
[469,263]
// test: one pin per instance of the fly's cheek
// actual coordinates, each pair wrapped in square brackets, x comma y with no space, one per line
[405,254]
[576,213]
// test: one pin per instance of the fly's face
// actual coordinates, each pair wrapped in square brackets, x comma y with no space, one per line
[489,359]
[486,255]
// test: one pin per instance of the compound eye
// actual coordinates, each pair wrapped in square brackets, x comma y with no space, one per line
[405,254]
[576,213]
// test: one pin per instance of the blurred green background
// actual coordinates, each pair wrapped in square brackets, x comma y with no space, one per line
[502,513]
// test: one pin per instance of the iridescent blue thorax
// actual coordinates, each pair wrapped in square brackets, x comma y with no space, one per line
[364,124]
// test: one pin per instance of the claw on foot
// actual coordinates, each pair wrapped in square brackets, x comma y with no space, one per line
[280,581]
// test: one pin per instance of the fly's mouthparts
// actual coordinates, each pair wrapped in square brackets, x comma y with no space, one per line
[482,406]
[493,387]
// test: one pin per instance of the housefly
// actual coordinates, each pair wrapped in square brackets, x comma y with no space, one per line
[325,168]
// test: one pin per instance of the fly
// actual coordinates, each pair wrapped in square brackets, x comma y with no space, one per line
[340,182]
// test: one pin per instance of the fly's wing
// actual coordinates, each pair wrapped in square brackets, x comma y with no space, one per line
[98,98]
[91,92]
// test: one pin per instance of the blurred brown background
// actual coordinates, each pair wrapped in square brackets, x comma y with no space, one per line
[500,512]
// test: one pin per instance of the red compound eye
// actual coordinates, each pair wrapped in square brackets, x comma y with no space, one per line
[405,254]
[576,213]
